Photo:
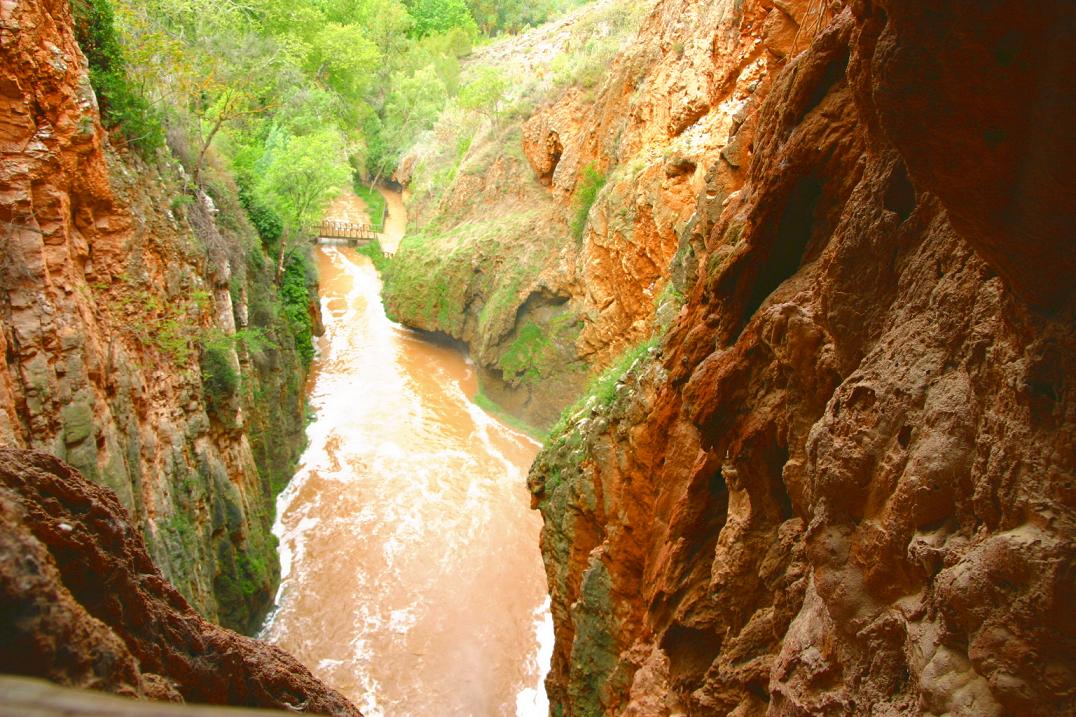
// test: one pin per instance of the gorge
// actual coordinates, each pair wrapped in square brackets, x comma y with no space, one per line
[784,286]
[411,580]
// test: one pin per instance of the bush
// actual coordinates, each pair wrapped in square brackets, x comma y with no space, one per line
[121,105]
[220,382]
[296,297]
[589,186]
[266,221]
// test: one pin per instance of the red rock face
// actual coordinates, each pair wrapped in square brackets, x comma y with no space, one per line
[82,604]
[846,485]
[99,265]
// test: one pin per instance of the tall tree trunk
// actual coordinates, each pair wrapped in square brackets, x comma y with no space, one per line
[205,148]
[280,257]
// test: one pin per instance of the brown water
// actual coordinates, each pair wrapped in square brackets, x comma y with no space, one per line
[395,220]
[412,580]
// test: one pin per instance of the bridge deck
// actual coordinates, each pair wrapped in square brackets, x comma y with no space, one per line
[336,232]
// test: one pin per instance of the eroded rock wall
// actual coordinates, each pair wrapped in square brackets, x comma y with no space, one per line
[84,606]
[845,483]
[111,271]
[667,119]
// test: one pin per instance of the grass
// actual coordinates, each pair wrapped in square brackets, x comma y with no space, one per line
[375,254]
[375,204]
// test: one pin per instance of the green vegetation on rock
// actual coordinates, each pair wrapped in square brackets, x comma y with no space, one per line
[376,255]
[122,105]
[602,389]
[220,382]
[487,260]
[432,276]
[538,350]
[295,294]
[590,184]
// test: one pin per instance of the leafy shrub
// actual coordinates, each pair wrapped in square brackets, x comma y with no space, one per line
[589,186]
[295,294]
[122,105]
[266,221]
[220,382]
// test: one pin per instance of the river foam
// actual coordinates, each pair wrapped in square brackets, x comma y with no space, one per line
[411,578]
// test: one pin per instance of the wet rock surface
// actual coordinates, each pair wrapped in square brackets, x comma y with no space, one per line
[83,605]
[845,483]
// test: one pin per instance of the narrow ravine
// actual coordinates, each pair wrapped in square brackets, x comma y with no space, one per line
[412,580]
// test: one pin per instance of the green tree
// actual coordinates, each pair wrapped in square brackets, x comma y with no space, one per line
[122,105]
[434,16]
[411,108]
[343,58]
[239,83]
[301,179]
[484,93]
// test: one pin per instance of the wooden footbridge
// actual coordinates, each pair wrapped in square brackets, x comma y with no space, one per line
[336,232]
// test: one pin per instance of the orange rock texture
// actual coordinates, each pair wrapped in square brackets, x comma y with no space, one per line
[664,120]
[668,120]
[83,605]
[109,273]
[844,485]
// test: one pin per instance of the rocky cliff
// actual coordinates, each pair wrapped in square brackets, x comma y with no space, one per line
[84,605]
[561,235]
[123,292]
[844,483]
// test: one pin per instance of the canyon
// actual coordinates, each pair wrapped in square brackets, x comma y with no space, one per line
[785,285]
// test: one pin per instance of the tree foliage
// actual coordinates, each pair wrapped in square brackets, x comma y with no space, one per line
[484,93]
[122,106]
[266,86]
[304,175]
[436,16]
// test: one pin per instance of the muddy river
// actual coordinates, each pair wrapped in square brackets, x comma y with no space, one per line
[412,580]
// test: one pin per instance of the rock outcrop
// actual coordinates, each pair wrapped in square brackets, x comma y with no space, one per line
[844,484]
[82,604]
[112,266]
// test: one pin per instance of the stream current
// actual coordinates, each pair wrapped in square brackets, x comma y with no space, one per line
[411,578]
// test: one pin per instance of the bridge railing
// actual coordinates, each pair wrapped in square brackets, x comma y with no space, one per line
[330,229]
